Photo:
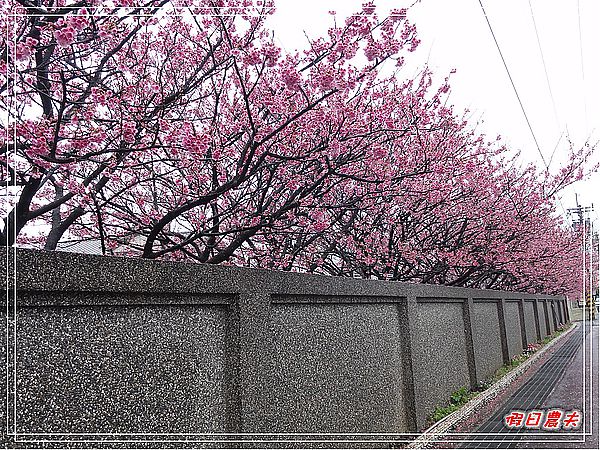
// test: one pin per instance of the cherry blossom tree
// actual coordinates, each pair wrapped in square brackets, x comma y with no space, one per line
[191,130]
[180,130]
[472,219]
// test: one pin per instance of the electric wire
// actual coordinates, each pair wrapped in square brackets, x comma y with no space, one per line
[582,64]
[513,84]
[556,147]
[544,63]
[518,96]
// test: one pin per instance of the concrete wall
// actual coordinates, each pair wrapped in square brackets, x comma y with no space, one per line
[531,334]
[114,345]
[334,365]
[542,319]
[553,316]
[440,353]
[117,368]
[513,327]
[487,341]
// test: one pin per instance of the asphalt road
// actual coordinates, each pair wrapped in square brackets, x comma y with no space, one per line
[571,394]
[568,381]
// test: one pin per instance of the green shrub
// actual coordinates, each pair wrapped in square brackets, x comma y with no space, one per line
[457,399]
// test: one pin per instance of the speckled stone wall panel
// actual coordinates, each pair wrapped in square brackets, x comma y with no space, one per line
[530,322]
[125,369]
[553,307]
[486,339]
[337,368]
[542,317]
[559,312]
[513,329]
[440,356]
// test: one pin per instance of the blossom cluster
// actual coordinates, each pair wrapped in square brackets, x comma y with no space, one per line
[197,137]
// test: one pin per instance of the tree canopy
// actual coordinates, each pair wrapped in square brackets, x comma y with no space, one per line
[182,131]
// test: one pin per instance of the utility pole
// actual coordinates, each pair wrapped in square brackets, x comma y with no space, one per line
[584,223]
[594,293]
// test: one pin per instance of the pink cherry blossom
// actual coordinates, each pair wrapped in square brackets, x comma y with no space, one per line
[205,141]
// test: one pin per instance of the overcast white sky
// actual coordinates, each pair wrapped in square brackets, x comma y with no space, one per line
[455,34]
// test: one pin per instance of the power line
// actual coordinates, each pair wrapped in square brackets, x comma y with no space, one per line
[537,35]
[544,63]
[513,85]
[518,97]
[582,65]
[556,147]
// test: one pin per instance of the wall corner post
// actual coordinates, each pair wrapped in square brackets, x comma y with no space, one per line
[536,317]
[470,348]
[503,334]
[407,315]
[554,314]
[254,363]
[547,317]
[521,305]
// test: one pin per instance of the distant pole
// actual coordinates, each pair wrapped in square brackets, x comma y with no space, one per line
[583,222]
[591,266]
[584,274]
